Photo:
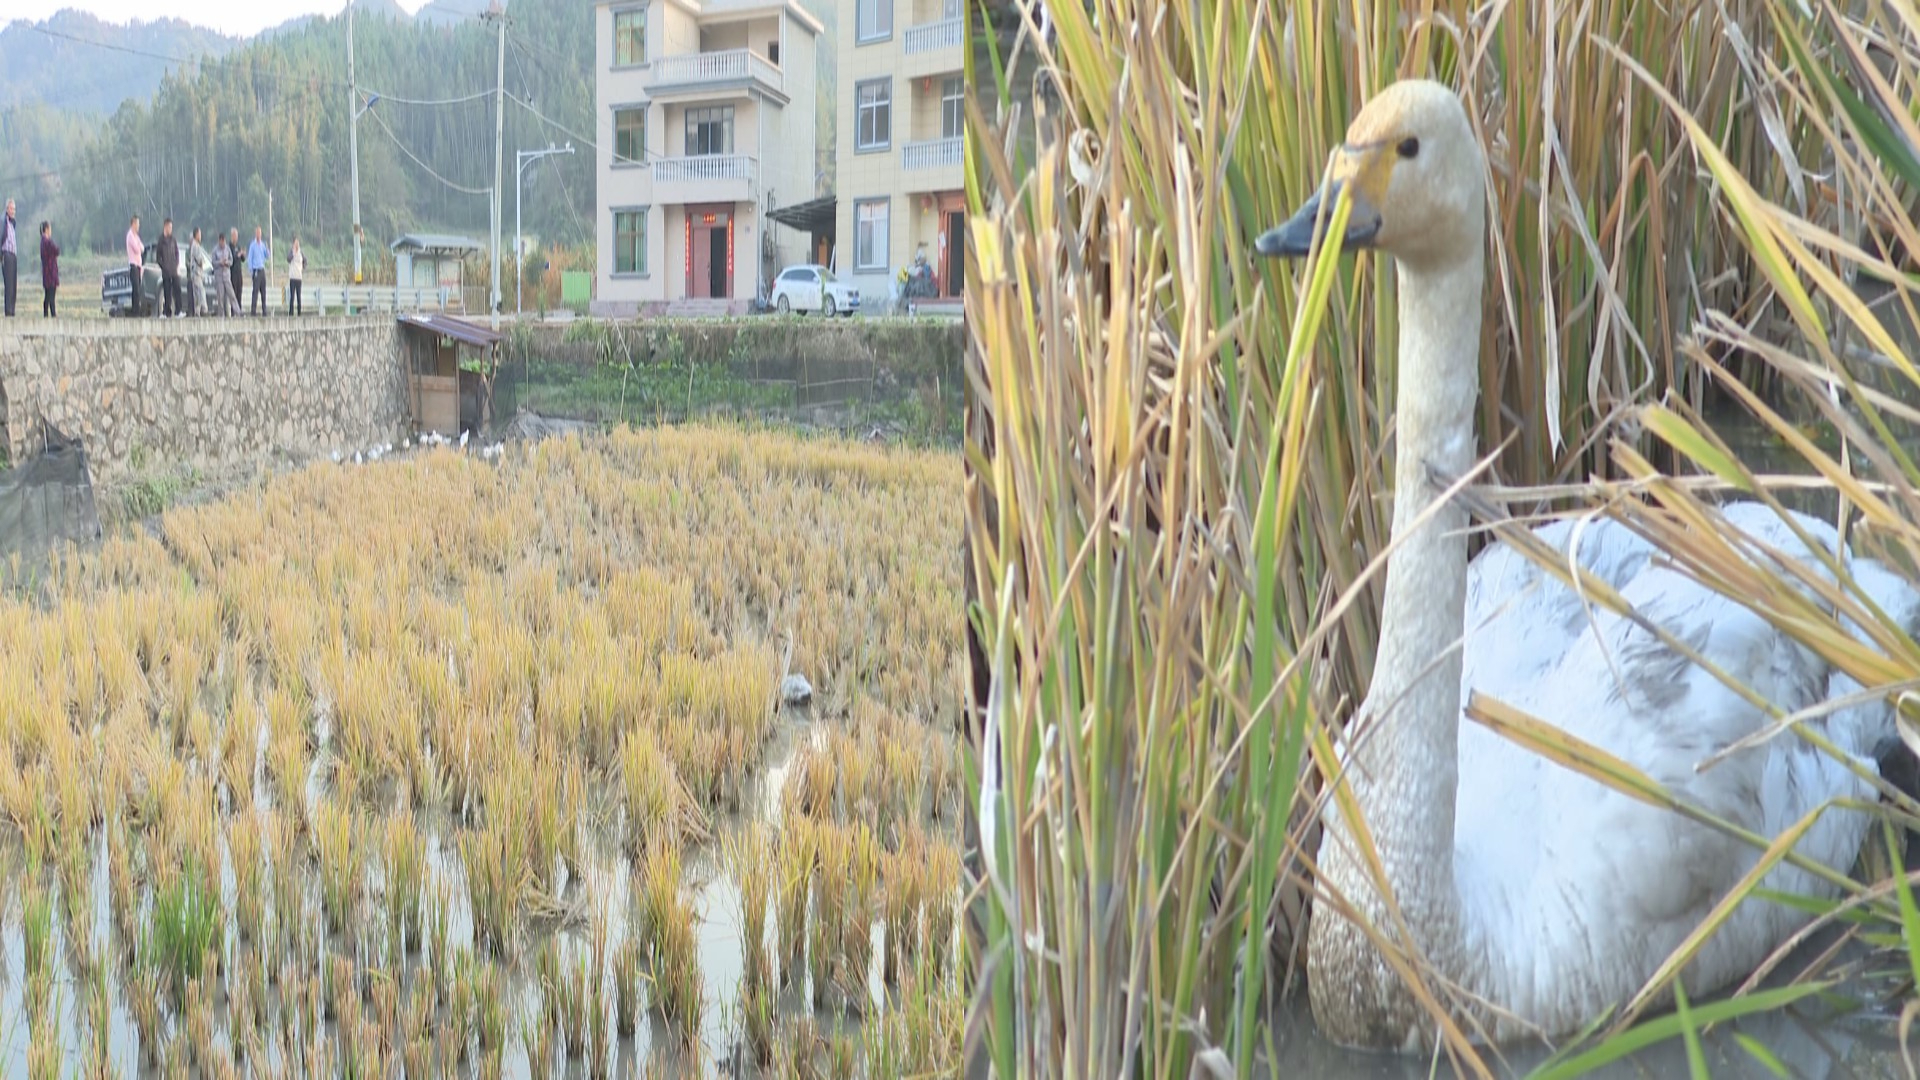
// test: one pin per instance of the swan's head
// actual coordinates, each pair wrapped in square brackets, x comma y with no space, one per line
[1417,178]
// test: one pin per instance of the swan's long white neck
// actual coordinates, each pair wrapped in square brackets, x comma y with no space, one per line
[1403,763]
[1415,693]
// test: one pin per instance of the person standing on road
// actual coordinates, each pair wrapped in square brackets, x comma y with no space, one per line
[296,266]
[167,254]
[223,278]
[49,267]
[257,264]
[197,276]
[238,267]
[135,249]
[10,257]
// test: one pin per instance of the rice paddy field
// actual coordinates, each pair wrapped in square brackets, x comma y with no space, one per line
[446,766]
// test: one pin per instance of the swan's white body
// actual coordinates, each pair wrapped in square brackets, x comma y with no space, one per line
[1542,898]
[1576,893]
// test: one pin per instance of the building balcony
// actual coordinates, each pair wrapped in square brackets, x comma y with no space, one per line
[933,165]
[933,37]
[933,48]
[710,178]
[695,74]
[932,154]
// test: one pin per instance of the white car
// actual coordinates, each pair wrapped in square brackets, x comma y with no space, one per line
[812,287]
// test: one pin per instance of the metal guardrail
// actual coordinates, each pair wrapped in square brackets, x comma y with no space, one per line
[322,298]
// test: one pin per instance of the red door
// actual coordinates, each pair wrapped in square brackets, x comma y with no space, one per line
[950,262]
[709,252]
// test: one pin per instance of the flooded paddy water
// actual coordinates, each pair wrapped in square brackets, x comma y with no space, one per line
[1806,1044]
[544,806]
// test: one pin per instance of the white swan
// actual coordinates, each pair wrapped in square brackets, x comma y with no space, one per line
[1545,896]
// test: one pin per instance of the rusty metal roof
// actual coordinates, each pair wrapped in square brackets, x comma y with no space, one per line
[458,329]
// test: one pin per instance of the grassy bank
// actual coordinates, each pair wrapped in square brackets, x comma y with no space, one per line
[900,376]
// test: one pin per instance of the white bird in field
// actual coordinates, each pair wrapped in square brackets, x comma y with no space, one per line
[463,440]
[336,456]
[1547,898]
[357,459]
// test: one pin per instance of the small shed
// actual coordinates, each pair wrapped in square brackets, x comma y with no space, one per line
[445,397]
[431,260]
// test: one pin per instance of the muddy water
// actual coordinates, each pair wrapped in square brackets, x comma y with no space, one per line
[1811,1046]
[604,881]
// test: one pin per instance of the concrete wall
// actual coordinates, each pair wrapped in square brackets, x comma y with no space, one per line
[196,391]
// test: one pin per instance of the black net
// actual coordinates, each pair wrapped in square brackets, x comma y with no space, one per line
[47,500]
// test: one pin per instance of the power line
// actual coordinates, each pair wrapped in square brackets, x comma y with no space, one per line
[198,61]
[50,32]
[529,106]
[557,179]
[442,101]
[378,119]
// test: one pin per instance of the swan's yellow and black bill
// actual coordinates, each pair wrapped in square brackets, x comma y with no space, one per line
[1295,238]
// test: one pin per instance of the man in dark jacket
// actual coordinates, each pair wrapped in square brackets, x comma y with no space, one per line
[49,267]
[239,268]
[167,254]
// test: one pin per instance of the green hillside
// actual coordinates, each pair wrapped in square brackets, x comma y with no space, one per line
[271,116]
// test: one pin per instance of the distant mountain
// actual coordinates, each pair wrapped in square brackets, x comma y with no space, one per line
[449,12]
[44,64]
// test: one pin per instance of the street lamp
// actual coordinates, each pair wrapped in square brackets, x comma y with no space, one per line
[520,164]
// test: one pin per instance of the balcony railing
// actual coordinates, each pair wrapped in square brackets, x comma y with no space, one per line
[933,36]
[728,65]
[704,169]
[933,154]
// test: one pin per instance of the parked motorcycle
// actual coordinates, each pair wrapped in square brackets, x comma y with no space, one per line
[916,282]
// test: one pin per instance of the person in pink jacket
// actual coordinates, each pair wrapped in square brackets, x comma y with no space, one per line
[135,249]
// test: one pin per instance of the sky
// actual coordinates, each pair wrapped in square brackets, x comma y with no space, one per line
[241,17]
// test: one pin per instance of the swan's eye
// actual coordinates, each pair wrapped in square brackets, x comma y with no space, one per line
[1409,147]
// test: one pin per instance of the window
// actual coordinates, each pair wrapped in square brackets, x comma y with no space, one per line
[873,114]
[875,20]
[773,53]
[870,234]
[953,109]
[629,135]
[629,37]
[800,273]
[950,9]
[710,130]
[630,241]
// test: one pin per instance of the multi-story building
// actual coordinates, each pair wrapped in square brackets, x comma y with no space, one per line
[901,128]
[707,109]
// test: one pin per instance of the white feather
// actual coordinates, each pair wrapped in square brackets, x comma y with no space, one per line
[1576,893]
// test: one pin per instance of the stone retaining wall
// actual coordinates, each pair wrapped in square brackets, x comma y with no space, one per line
[207,392]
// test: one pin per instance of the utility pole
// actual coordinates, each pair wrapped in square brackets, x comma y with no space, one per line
[353,141]
[520,160]
[498,16]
